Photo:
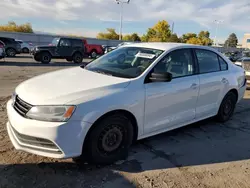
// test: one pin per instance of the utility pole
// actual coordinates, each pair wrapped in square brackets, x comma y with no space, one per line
[121,2]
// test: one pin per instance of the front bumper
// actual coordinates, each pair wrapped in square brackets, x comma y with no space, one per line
[49,139]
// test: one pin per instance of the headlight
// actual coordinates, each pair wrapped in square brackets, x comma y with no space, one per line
[51,113]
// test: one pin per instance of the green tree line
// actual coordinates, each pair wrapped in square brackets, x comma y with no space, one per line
[160,32]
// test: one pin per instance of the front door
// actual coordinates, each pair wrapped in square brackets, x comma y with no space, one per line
[171,104]
[64,48]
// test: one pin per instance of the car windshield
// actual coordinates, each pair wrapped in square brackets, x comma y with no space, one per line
[55,41]
[125,62]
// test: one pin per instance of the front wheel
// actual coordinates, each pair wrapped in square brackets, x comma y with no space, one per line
[227,107]
[109,140]
[45,57]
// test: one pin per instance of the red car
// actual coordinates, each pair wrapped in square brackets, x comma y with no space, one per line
[93,50]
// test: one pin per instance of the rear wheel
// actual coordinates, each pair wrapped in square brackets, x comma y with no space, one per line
[227,107]
[109,141]
[93,54]
[45,57]
[11,52]
[77,58]
[25,50]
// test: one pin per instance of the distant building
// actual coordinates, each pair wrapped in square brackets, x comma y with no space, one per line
[246,41]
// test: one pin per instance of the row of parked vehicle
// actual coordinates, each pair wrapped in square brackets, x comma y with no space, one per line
[10,47]
[68,48]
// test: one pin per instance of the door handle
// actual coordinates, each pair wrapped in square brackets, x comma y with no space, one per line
[194,86]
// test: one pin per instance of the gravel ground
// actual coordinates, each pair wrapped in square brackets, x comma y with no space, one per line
[205,154]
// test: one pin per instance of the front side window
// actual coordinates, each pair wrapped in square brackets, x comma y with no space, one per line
[55,41]
[125,62]
[208,61]
[179,63]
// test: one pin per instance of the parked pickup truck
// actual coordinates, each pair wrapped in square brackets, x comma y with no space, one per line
[92,50]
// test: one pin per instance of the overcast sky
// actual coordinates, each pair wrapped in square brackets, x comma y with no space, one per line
[88,17]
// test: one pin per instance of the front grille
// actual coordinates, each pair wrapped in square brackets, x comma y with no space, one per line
[246,66]
[34,141]
[21,106]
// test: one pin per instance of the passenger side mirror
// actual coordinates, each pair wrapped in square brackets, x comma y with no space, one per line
[160,77]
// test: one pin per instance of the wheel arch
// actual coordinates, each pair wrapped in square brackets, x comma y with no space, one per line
[234,91]
[47,51]
[128,114]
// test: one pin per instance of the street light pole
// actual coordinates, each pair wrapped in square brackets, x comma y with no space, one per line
[121,15]
[217,22]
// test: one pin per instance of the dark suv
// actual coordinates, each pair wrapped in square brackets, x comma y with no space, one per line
[11,46]
[70,49]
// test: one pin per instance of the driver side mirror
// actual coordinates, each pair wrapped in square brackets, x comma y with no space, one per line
[160,77]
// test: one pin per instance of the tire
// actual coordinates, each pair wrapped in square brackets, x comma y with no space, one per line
[227,107]
[45,57]
[77,58]
[37,57]
[69,59]
[109,140]
[93,54]
[25,50]
[11,52]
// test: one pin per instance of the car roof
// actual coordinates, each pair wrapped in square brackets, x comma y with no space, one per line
[164,45]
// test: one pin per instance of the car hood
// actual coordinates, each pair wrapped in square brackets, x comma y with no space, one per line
[68,85]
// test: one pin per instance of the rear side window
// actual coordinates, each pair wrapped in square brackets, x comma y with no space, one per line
[65,42]
[208,61]
[223,64]
[77,43]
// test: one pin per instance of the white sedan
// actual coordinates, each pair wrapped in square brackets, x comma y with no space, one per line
[97,111]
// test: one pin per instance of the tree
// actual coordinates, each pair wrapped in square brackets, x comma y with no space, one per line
[110,34]
[187,36]
[194,40]
[173,38]
[232,41]
[204,38]
[133,37]
[160,32]
[13,27]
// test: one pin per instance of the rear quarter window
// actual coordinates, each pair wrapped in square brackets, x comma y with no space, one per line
[77,43]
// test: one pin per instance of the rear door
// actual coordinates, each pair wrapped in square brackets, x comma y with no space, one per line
[214,84]
[64,48]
